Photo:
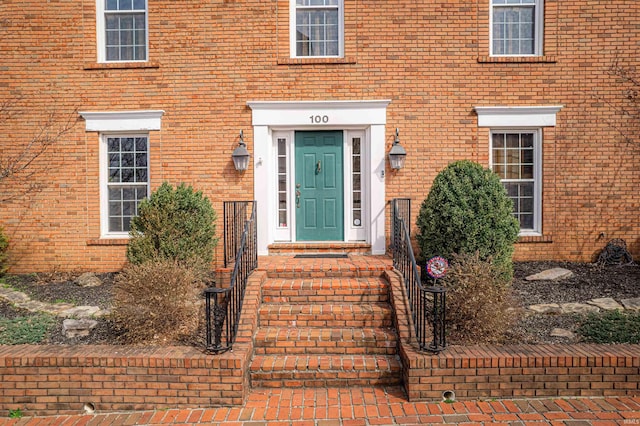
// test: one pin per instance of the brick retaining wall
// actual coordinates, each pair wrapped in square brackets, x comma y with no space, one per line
[61,379]
[509,371]
[42,380]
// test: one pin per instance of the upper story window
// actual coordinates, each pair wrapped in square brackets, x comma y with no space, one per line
[122,30]
[516,27]
[317,28]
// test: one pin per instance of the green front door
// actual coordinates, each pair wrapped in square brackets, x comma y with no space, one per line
[319,186]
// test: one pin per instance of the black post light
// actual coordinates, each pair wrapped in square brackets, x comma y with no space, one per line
[397,154]
[241,155]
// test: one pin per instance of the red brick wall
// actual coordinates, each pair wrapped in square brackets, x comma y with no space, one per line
[208,59]
[511,371]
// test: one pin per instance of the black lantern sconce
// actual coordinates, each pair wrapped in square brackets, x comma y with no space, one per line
[397,154]
[241,155]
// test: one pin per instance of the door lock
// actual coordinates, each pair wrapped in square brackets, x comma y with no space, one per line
[318,167]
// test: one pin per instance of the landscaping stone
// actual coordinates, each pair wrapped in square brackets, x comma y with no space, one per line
[606,304]
[555,274]
[632,304]
[546,308]
[561,332]
[88,279]
[578,308]
[81,312]
[78,328]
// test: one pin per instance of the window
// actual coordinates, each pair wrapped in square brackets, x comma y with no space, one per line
[317,28]
[515,158]
[282,182]
[127,163]
[122,30]
[516,27]
[356,187]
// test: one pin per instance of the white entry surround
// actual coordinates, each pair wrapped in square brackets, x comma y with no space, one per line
[275,121]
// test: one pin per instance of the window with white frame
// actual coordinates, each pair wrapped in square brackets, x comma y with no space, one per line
[516,159]
[516,27]
[317,28]
[127,183]
[122,30]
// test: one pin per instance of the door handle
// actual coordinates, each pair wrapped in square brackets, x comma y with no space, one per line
[318,167]
[297,196]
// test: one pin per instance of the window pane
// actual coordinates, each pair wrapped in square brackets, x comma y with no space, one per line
[356,164]
[317,30]
[282,218]
[513,28]
[527,172]
[125,4]
[138,4]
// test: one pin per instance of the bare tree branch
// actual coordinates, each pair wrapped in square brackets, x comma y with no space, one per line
[17,163]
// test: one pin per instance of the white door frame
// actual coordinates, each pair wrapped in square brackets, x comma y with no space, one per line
[272,119]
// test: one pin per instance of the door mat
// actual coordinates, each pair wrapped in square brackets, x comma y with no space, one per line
[321,256]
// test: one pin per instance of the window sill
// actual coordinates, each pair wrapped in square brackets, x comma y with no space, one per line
[528,239]
[120,65]
[108,242]
[316,61]
[516,59]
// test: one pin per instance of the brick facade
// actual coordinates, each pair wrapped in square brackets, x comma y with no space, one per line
[208,59]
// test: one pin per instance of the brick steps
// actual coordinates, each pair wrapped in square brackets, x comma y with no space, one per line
[322,290]
[325,325]
[272,371]
[325,315]
[305,340]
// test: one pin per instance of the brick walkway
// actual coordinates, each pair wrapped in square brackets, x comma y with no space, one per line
[370,406]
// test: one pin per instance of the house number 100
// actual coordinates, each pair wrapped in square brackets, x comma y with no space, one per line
[317,119]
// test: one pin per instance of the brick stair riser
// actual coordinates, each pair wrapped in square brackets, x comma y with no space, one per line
[374,315]
[325,341]
[312,371]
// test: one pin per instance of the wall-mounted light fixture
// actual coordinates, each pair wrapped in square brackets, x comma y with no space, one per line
[397,154]
[241,155]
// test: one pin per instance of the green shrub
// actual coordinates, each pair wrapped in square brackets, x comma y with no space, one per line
[478,301]
[611,327]
[468,211]
[174,224]
[157,301]
[4,246]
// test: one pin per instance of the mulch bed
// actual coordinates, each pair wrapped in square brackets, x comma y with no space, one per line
[589,282]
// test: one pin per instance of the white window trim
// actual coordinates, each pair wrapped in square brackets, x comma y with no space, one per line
[352,232]
[104,182]
[537,174]
[118,123]
[517,119]
[538,44]
[101,36]
[292,31]
[517,116]
[122,121]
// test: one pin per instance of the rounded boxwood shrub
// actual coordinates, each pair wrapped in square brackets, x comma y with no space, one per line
[174,224]
[467,211]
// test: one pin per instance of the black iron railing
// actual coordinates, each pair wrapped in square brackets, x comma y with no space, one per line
[224,305]
[427,303]
[234,218]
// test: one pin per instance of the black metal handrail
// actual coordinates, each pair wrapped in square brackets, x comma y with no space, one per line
[420,297]
[234,217]
[224,305]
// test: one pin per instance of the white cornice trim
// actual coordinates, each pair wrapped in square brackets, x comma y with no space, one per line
[331,113]
[122,121]
[517,116]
